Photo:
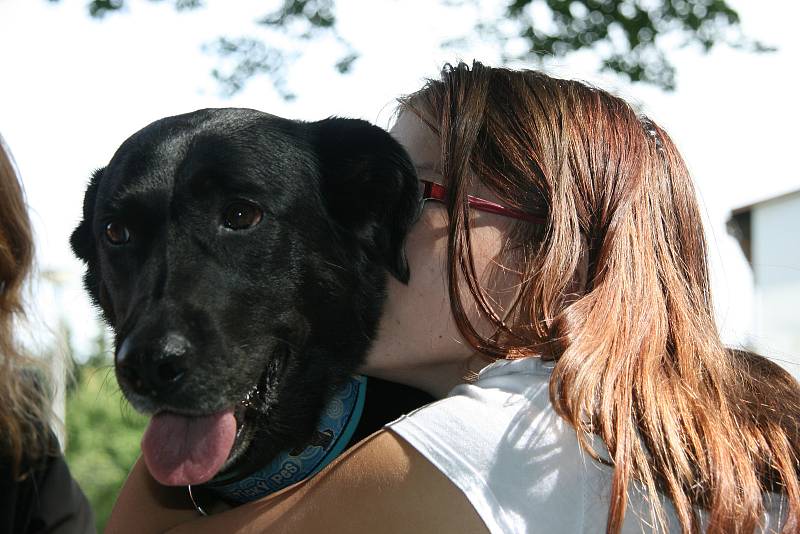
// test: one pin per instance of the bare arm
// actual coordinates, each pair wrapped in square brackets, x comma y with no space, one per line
[144,505]
[380,485]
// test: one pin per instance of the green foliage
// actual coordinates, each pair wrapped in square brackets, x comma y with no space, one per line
[624,32]
[244,57]
[101,8]
[103,434]
[627,35]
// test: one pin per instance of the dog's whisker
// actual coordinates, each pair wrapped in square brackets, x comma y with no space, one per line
[334,265]
[283,341]
[244,347]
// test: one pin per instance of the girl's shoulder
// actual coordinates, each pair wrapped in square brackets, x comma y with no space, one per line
[500,441]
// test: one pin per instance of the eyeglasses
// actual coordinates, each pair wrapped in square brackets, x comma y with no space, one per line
[438,192]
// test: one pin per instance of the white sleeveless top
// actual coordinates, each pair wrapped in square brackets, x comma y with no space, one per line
[520,465]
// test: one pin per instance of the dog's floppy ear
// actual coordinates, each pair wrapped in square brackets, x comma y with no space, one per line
[369,186]
[82,240]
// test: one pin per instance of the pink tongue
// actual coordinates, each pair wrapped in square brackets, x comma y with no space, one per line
[180,450]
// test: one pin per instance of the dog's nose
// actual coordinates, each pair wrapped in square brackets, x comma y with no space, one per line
[153,369]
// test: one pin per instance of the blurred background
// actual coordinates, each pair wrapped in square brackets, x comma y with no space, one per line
[80,76]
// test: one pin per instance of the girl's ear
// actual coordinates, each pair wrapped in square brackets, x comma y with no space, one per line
[369,186]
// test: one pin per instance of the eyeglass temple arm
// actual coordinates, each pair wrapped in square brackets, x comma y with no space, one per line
[437,192]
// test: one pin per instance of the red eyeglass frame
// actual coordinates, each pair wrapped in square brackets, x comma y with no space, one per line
[438,193]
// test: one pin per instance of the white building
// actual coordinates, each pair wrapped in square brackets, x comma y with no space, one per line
[769,234]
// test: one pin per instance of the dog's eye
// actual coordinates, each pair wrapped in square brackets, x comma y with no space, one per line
[117,233]
[241,215]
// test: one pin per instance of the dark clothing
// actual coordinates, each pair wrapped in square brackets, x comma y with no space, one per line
[46,501]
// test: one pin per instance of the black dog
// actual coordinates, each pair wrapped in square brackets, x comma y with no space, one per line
[241,260]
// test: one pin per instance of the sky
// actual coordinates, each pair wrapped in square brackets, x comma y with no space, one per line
[73,88]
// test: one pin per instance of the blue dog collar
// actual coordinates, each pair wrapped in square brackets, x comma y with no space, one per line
[334,430]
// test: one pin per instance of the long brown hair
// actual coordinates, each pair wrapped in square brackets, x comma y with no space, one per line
[615,289]
[23,398]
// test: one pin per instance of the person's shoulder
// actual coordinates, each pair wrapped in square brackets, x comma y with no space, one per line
[503,393]
[502,443]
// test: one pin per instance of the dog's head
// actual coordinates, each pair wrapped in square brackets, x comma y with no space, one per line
[241,259]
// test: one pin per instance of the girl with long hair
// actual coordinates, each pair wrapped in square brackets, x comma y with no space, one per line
[559,305]
[37,493]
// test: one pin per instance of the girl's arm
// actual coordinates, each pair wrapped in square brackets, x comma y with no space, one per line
[144,505]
